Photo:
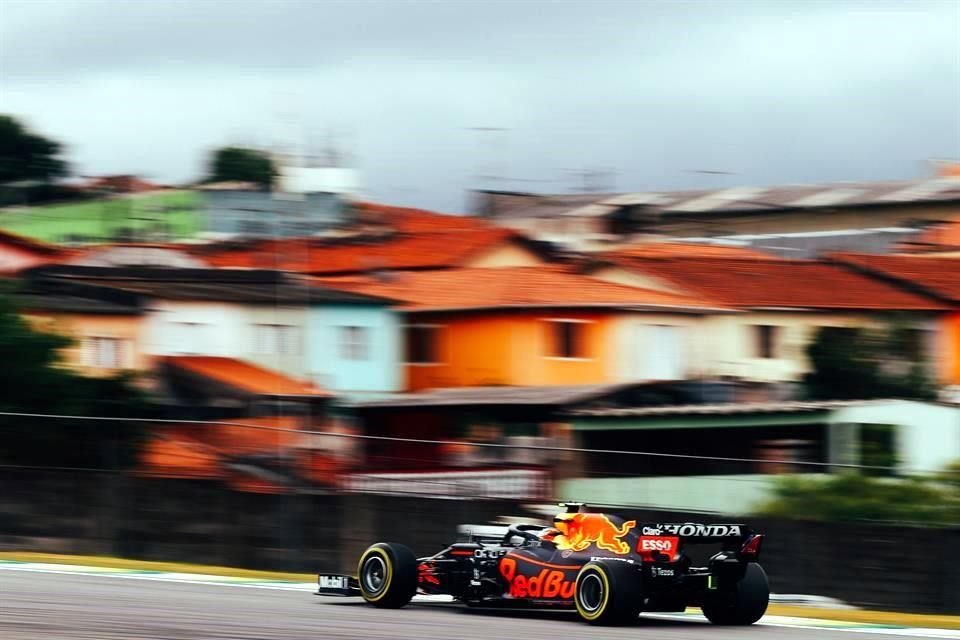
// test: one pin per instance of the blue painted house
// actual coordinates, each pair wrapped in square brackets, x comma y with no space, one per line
[355,350]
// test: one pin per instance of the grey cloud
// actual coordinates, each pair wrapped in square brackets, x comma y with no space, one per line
[775,91]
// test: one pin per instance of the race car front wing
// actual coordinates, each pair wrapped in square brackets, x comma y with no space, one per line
[337,584]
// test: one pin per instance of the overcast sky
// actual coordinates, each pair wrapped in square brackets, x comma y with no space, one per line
[773,91]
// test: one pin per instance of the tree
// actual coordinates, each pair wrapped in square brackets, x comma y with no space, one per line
[237,163]
[33,381]
[27,156]
[857,364]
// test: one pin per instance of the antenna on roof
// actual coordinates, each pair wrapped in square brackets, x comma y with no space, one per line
[595,180]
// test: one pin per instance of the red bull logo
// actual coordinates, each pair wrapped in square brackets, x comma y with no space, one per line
[579,530]
[546,584]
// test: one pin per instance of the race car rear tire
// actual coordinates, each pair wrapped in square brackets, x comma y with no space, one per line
[387,573]
[742,604]
[608,593]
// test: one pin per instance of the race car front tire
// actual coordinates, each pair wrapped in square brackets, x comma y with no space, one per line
[387,573]
[608,593]
[742,604]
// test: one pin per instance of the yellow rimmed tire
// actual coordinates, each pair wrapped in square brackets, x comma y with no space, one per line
[609,592]
[387,574]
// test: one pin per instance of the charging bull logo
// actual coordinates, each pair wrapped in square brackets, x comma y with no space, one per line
[579,530]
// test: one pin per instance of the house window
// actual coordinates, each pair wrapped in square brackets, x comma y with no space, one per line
[275,339]
[189,337]
[354,343]
[567,339]
[104,353]
[422,344]
[765,340]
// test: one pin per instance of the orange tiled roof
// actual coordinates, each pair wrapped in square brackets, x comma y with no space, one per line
[404,239]
[934,275]
[404,252]
[778,283]
[245,376]
[683,249]
[519,287]
[407,220]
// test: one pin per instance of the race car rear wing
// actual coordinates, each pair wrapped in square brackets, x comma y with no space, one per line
[695,532]
[739,542]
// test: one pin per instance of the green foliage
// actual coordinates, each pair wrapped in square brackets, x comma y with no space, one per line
[855,364]
[28,164]
[24,155]
[850,497]
[237,163]
[176,211]
[33,381]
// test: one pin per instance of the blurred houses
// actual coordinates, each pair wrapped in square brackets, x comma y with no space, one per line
[793,220]
[403,323]
[381,238]
[265,318]
[929,275]
[796,437]
[531,326]
[781,304]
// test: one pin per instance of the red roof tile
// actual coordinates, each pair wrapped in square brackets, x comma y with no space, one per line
[407,220]
[510,287]
[245,376]
[934,275]
[684,249]
[395,238]
[778,283]
[123,184]
[420,251]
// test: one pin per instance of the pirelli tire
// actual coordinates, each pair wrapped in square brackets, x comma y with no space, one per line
[387,573]
[742,604]
[609,592]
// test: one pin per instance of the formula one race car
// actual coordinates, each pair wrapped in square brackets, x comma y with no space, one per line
[606,568]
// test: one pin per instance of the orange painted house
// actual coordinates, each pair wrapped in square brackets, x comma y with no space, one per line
[107,332]
[517,325]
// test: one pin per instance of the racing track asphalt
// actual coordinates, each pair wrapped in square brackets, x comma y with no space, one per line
[47,606]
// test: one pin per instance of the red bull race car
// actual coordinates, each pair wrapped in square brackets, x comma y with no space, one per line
[609,570]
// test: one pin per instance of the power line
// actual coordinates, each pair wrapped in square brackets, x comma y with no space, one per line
[358,436]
